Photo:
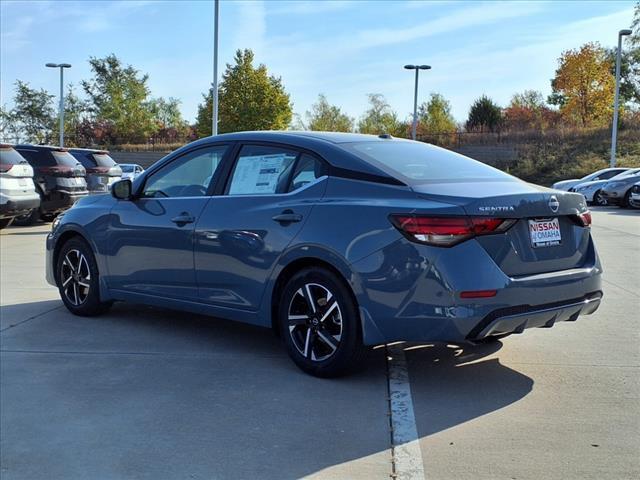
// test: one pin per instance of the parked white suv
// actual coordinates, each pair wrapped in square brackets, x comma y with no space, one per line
[18,194]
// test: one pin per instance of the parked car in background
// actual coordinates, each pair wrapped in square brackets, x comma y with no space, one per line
[336,241]
[130,171]
[617,191]
[592,191]
[604,174]
[102,170]
[18,194]
[59,179]
[634,199]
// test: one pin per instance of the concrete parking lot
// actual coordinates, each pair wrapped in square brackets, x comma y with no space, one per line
[147,393]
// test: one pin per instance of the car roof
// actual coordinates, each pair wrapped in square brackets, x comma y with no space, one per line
[288,135]
[88,150]
[50,148]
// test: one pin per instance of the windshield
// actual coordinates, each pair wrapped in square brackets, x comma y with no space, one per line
[10,156]
[65,158]
[417,163]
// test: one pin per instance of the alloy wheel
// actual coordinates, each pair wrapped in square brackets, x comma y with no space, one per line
[315,322]
[75,277]
[598,199]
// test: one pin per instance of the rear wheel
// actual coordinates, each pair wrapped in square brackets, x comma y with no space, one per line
[319,323]
[5,222]
[27,219]
[78,279]
[626,201]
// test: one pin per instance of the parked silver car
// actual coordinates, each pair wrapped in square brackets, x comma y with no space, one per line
[617,191]
[592,191]
[603,174]
[130,170]
[18,194]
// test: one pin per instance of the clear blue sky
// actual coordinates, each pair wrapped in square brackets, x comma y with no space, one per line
[344,49]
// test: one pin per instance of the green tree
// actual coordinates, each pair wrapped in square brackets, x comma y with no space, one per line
[249,99]
[380,118]
[583,86]
[118,95]
[629,63]
[484,116]
[167,115]
[33,113]
[8,131]
[434,116]
[328,118]
[76,111]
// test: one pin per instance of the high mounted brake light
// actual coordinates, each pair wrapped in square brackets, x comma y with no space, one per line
[448,231]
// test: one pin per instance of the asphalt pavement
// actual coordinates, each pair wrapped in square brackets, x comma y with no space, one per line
[147,393]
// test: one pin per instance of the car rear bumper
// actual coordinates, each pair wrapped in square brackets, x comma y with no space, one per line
[517,319]
[409,292]
[611,197]
[59,200]
[14,207]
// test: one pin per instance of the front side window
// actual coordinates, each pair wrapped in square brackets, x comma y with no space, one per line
[187,176]
[262,170]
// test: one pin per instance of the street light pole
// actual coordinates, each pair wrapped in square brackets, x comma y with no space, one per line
[616,101]
[214,99]
[417,68]
[61,66]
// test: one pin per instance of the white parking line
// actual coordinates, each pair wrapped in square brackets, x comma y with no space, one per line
[407,456]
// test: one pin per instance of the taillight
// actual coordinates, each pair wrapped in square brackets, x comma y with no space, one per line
[5,167]
[583,219]
[448,231]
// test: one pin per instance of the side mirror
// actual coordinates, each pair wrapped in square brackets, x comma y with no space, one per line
[122,190]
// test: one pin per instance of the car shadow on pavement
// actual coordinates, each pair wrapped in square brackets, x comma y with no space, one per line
[452,384]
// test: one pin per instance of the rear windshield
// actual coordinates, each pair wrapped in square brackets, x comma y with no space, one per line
[417,163]
[10,156]
[104,160]
[64,158]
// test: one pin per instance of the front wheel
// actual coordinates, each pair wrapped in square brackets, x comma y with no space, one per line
[319,323]
[598,199]
[77,278]
[626,201]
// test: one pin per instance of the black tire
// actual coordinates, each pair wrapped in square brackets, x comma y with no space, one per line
[27,219]
[328,343]
[47,217]
[626,201]
[5,222]
[77,278]
[598,200]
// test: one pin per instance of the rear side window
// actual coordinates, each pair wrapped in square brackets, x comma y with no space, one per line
[9,156]
[262,170]
[416,163]
[307,170]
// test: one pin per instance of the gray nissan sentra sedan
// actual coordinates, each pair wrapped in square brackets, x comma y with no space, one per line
[336,241]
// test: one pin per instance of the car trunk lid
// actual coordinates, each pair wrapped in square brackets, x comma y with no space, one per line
[515,251]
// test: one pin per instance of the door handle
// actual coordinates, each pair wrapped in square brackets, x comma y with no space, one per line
[287,217]
[183,219]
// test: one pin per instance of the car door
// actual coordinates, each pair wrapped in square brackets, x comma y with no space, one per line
[267,198]
[151,236]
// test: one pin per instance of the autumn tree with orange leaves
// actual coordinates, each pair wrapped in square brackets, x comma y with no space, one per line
[584,86]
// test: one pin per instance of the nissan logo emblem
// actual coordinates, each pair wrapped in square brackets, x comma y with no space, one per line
[554,204]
